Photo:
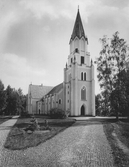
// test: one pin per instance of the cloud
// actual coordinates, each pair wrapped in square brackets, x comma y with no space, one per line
[10,14]
[38,40]
[15,71]
[27,39]
[115,3]
[126,13]
[36,33]
[104,18]
[56,9]
[6,22]
[40,8]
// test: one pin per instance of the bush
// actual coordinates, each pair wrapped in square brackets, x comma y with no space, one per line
[68,113]
[24,115]
[57,113]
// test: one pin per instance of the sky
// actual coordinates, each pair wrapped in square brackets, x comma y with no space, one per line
[35,34]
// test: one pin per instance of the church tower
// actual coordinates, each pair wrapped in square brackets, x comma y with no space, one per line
[79,84]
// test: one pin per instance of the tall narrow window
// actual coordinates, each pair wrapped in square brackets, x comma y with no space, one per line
[82,60]
[59,101]
[71,60]
[82,76]
[83,93]
[85,76]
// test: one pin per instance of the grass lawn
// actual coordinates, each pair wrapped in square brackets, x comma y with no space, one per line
[121,129]
[19,139]
[123,132]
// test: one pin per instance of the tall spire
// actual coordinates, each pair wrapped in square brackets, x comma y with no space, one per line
[78,30]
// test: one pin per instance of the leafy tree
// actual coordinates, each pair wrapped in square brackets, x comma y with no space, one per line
[9,92]
[15,101]
[105,68]
[98,105]
[110,67]
[12,101]
[2,97]
[119,52]
[22,101]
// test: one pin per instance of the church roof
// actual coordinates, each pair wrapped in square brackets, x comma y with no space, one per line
[78,30]
[38,91]
[56,89]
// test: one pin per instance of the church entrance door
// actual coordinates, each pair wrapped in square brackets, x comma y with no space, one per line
[82,110]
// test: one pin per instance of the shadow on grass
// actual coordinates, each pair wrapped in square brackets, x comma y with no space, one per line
[94,122]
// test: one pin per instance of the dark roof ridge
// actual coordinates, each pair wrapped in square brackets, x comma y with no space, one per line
[56,89]
[78,30]
[40,85]
[38,91]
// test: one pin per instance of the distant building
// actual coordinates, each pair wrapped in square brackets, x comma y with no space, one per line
[77,92]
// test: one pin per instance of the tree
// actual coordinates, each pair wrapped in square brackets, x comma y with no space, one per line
[22,101]
[9,108]
[119,52]
[2,97]
[16,101]
[105,73]
[98,105]
[110,66]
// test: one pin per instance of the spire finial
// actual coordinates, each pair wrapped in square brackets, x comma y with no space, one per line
[78,7]
[66,65]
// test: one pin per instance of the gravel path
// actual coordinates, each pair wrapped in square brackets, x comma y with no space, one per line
[4,130]
[77,146]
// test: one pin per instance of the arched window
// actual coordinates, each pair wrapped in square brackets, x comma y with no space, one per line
[59,101]
[76,50]
[82,76]
[83,93]
[85,76]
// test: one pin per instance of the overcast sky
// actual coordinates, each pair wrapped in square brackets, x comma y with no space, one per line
[35,34]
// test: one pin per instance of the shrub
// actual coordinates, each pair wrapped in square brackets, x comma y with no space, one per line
[68,113]
[24,115]
[57,113]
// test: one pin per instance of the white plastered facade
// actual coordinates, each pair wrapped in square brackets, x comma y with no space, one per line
[74,83]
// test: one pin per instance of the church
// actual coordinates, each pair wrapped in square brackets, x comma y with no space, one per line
[76,94]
